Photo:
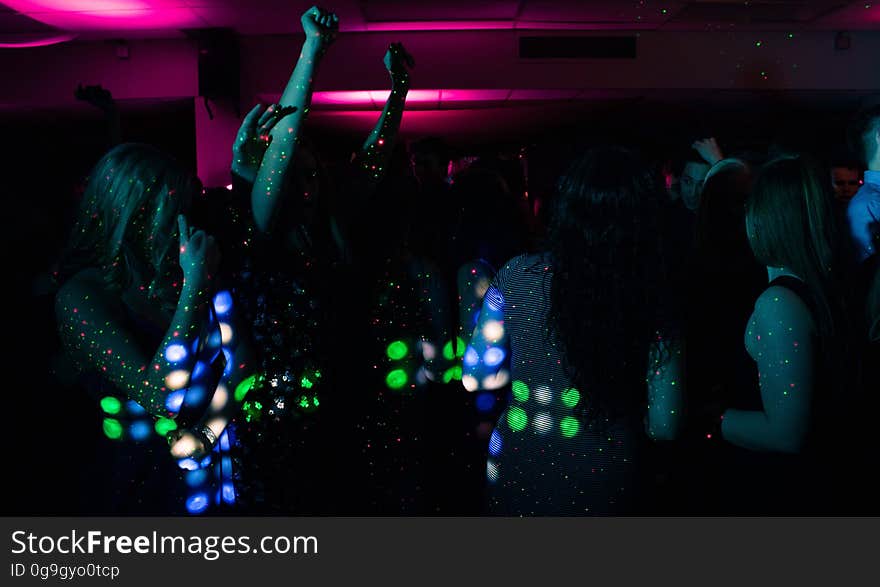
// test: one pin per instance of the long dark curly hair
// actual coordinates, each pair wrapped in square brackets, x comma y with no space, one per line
[606,249]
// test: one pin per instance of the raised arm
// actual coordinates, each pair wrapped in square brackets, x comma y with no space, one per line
[320,28]
[375,154]
[781,333]
[99,338]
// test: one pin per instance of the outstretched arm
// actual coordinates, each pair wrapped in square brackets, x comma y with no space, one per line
[320,28]
[375,154]
[98,337]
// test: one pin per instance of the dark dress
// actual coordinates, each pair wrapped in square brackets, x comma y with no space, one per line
[811,482]
[544,457]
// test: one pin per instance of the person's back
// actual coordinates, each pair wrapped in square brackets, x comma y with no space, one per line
[544,456]
[579,333]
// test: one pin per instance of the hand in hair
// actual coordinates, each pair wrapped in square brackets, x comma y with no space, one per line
[708,150]
[253,138]
[320,27]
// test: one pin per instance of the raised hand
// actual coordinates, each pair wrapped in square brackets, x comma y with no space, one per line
[398,61]
[708,150]
[253,138]
[199,255]
[320,26]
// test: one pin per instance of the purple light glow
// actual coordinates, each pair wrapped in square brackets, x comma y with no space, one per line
[32,41]
[434,99]
[487,25]
[90,15]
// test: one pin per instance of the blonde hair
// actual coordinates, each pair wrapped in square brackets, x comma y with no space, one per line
[127,218]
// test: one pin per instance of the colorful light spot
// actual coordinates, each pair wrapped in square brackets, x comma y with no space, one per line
[517,419]
[111,405]
[543,423]
[471,357]
[485,402]
[175,353]
[570,397]
[543,395]
[495,444]
[494,356]
[453,373]
[396,379]
[569,426]
[520,391]
[397,350]
[112,428]
[244,387]
[165,425]
[222,302]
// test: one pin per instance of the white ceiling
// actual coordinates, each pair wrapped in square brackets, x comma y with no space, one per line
[95,19]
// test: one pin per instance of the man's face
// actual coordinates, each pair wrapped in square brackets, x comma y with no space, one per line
[846,182]
[691,183]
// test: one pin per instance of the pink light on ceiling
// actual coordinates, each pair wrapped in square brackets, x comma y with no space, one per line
[26,41]
[428,99]
[91,15]
[485,25]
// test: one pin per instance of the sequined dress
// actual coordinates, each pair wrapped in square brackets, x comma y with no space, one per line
[283,453]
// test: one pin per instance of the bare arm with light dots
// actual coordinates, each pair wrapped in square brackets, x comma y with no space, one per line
[320,28]
[781,341]
[375,154]
[98,337]
[665,388]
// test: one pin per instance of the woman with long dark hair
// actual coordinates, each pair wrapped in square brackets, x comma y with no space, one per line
[800,338]
[581,332]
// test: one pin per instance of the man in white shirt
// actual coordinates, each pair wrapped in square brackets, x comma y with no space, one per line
[863,212]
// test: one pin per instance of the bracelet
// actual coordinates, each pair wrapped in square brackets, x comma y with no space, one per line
[207,436]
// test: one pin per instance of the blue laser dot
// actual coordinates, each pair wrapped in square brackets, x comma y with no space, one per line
[196,478]
[471,357]
[195,345]
[215,339]
[188,464]
[175,353]
[222,302]
[494,356]
[228,492]
[139,430]
[134,408]
[229,364]
[494,299]
[224,441]
[485,402]
[197,503]
[195,395]
[206,462]
[199,369]
[175,400]
[495,444]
